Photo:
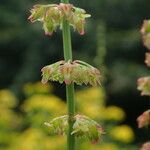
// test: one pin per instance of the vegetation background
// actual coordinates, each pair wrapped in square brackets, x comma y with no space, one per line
[112,43]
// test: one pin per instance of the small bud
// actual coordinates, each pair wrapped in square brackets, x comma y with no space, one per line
[146,146]
[145,31]
[144,85]
[147,59]
[144,119]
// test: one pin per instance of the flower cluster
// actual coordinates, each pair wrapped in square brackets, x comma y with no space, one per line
[144,119]
[144,85]
[52,16]
[146,33]
[71,72]
[58,125]
[145,146]
[83,127]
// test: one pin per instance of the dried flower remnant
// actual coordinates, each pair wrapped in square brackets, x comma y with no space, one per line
[69,72]
[144,85]
[147,59]
[144,119]
[146,146]
[84,127]
[145,31]
[52,16]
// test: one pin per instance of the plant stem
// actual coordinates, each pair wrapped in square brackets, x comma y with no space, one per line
[69,88]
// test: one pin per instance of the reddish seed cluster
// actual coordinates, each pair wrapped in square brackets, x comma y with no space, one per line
[69,72]
[144,119]
[52,16]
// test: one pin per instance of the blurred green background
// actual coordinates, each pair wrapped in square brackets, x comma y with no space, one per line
[112,43]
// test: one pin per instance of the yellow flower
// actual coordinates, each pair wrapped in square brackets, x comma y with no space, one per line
[7,99]
[122,133]
[93,95]
[37,88]
[114,113]
[50,104]
[35,139]
[92,110]
[8,118]
[104,146]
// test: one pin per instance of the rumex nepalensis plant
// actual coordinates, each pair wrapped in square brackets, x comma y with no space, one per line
[64,15]
[144,82]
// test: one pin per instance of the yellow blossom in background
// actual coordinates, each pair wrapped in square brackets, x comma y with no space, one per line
[92,110]
[113,113]
[7,99]
[49,103]
[94,95]
[34,139]
[8,118]
[91,102]
[123,133]
[37,88]
[108,146]
[101,146]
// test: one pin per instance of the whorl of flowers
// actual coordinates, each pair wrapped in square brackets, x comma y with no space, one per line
[83,127]
[71,72]
[146,146]
[144,85]
[146,33]
[144,119]
[52,15]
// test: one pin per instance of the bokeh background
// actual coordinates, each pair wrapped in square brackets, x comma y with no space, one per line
[112,43]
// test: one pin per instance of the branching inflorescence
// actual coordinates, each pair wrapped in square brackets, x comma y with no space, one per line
[64,15]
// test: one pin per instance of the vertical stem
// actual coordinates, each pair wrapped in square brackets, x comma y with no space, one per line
[69,88]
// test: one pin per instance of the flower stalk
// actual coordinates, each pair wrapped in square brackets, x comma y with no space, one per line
[67,48]
[64,15]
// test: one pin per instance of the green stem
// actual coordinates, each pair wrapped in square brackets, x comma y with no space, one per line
[69,88]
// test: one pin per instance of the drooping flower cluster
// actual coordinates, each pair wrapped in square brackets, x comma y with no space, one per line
[144,85]
[144,119]
[52,16]
[71,72]
[83,127]
[146,33]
